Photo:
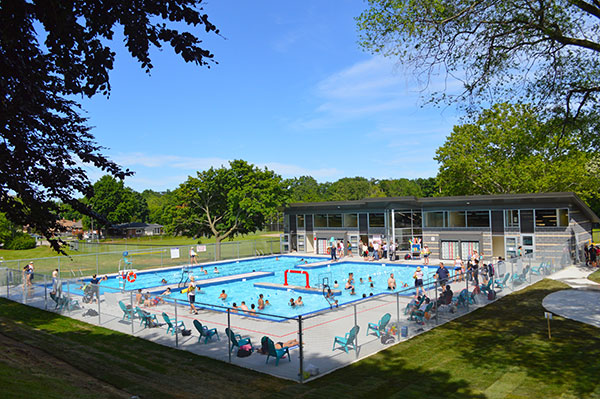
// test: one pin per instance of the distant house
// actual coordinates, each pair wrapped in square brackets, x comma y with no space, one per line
[73,227]
[136,229]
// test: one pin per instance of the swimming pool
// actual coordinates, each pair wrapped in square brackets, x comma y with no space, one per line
[245,289]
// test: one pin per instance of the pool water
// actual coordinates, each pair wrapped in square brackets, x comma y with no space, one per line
[239,291]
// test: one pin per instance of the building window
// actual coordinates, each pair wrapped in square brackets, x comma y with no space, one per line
[335,220]
[468,248]
[512,218]
[350,220]
[456,219]
[546,218]
[402,219]
[320,220]
[478,218]
[376,220]
[417,220]
[450,250]
[435,219]
[300,221]
[563,217]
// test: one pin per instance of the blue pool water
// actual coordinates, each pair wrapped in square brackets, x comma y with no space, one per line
[239,291]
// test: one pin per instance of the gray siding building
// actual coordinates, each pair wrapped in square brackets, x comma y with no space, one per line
[451,227]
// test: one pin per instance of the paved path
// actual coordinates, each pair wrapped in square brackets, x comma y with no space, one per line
[582,303]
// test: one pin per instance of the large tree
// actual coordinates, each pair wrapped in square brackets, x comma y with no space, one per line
[52,51]
[226,201]
[545,52]
[507,149]
[119,204]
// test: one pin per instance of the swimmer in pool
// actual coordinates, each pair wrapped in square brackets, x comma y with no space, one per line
[299,301]
[223,295]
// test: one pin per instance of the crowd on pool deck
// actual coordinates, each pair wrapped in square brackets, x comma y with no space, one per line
[371,251]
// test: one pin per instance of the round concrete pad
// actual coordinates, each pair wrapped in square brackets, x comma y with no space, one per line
[579,305]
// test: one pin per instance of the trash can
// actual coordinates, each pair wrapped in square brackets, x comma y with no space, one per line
[404,331]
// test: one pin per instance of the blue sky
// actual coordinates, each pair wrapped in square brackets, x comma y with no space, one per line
[292,91]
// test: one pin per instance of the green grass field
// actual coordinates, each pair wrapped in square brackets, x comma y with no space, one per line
[500,351]
[595,276]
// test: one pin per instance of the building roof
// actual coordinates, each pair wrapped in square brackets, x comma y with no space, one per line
[494,200]
[135,225]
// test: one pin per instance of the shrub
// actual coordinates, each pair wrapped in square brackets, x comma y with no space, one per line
[20,241]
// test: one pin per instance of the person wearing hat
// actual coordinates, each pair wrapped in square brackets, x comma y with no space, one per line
[418,276]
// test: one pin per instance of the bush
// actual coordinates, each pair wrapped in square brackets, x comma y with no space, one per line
[20,241]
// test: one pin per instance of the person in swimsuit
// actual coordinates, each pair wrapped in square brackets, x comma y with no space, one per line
[223,295]
[261,302]
[191,292]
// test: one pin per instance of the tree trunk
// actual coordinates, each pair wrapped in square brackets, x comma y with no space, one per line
[217,247]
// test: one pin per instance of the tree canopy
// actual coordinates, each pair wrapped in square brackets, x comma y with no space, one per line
[50,52]
[507,149]
[225,201]
[545,52]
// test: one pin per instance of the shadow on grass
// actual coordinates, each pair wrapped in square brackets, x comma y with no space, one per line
[514,333]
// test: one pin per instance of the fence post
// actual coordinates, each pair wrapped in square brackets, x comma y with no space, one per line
[398,315]
[98,297]
[436,302]
[45,294]
[131,302]
[7,284]
[271,245]
[301,349]
[253,247]
[467,286]
[161,257]
[176,327]
[97,266]
[238,249]
[356,336]
[69,295]
[58,267]
[229,331]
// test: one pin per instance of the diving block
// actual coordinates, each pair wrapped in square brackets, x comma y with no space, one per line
[313,265]
[297,288]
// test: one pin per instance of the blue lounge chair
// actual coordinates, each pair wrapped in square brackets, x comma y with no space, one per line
[501,284]
[205,332]
[461,299]
[542,269]
[414,304]
[522,277]
[379,328]
[272,351]
[236,339]
[347,340]
[485,288]
[127,312]
[170,326]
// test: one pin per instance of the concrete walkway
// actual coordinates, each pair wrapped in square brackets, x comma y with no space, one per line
[582,303]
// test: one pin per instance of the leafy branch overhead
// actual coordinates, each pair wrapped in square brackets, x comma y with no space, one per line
[545,52]
[50,51]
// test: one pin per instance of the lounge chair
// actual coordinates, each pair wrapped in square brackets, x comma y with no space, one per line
[542,269]
[236,339]
[418,315]
[485,288]
[410,305]
[522,277]
[379,328]
[127,312]
[501,284]
[272,351]
[146,318]
[170,326]
[347,340]
[461,299]
[205,332]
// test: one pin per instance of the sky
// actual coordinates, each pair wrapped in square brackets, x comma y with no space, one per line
[292,91]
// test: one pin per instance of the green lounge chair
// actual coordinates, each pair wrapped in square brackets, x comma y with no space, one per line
[379,328]
[236,339]
[501,284]
[485,288]
[205,332]
[347,340]
[461,299]
[146,318]
[127,312]
[540,270]
[417,303]
[272,351]
[170,326]
[419,315]
[522,277]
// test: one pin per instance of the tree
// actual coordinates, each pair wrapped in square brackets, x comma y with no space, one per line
[304,189]
[161,206]
[400,188]
[118,203]
[353,188]
[507,149]
[544,51]
[45,140]
[224,202]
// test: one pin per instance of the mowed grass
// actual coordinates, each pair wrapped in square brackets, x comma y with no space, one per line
[595,277]
[500,351]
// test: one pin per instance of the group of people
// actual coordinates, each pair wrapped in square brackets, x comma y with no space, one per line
[262,304]
[592,253]
[338,251]
[28,275]
[148,300]
[375,250]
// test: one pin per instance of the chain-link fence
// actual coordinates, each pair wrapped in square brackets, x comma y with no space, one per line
[140,258]
[299,348]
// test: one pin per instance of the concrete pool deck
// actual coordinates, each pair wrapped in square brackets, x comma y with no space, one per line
[318,330]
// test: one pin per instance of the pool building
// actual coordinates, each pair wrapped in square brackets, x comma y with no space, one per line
[450,226]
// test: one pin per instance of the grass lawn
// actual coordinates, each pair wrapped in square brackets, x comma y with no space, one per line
[501,351]
[595,276]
